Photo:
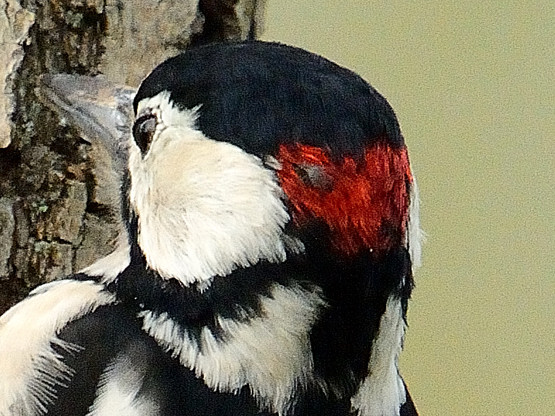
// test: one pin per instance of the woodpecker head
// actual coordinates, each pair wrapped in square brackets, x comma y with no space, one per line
[269,195]
[251,152]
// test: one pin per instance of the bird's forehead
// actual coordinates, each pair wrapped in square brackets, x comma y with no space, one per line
[166,111]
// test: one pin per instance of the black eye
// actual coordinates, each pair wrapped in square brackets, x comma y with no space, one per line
[143,131]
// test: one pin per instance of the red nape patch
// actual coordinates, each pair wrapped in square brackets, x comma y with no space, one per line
[364,203]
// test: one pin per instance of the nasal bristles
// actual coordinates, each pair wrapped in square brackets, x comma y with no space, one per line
[364,202]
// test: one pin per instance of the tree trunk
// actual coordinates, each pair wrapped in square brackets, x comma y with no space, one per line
[58,201]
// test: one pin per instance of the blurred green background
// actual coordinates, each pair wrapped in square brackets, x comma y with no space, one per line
[473,87]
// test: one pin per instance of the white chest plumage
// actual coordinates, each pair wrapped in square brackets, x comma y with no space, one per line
[271,353]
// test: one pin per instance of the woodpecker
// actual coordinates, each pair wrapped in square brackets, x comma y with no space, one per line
[270,234]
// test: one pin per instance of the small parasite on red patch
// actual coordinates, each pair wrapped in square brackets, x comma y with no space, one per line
[364,203]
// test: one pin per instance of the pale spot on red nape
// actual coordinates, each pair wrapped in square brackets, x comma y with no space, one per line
[366,204]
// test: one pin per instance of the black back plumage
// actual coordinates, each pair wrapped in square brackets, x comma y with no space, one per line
[257,95]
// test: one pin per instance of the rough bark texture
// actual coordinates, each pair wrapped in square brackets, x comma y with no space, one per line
[57,201]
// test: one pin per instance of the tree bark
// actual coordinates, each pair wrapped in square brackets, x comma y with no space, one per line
[58,200]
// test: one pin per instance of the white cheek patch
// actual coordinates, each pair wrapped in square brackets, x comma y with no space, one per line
[271,354]
[118,391]
[30,368]
[382,392]
[205,207]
